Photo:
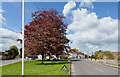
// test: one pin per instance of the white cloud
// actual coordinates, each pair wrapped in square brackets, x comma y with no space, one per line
[68,7]
[8,38]
[2,19]
[88,29]
[1,10]
[87,3]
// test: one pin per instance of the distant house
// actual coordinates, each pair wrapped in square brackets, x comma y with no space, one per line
[76,55]
[70,54]
[116,54]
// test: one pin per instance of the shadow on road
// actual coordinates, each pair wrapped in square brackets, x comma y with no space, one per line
[76,60]
[54,63]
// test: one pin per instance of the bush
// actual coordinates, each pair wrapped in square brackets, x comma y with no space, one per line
[65,57]
[109,55]
[86,56]
[14,52]
[5,53]
[51,57]
[118,58]
[10,52]
[14,49]
[100,55]
[92,57]
[105,55]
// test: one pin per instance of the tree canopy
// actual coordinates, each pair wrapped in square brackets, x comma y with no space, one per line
[104,55]
[75,50]
[97,52]
[46,33]
[13,47]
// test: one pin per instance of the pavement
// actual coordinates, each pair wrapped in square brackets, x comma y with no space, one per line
[6,62]
[110,65]
[84,67]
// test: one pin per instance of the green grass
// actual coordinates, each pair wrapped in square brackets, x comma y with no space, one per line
[12,69]
[36,68]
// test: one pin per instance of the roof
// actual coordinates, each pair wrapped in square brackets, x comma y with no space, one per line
[76,53]
[116,53]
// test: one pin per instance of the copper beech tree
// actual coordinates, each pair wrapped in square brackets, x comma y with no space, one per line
[46,33]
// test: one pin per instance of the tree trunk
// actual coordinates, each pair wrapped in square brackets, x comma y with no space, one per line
[57,56]
[42,58]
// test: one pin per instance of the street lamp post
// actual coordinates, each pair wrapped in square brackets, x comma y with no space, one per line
[87,50]
[23,38]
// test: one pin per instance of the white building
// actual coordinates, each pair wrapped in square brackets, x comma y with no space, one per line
[76,55]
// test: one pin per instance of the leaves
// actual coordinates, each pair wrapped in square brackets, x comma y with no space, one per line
[46,33]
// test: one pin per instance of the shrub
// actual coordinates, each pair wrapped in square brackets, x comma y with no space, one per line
[105,55]
[10,52]
[118,58]
[86,56]
[65,57]
[109,55]
[100,55]
[15,52]
[14,49]
[5,53]
[51,57]
[14,55]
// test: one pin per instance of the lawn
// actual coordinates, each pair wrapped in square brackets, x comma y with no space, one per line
[36,68]
[12,69]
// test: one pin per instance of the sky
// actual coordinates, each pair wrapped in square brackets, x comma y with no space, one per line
[92,25]
[10,27]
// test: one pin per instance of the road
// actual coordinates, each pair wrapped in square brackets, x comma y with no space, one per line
[6,62]
[84,67]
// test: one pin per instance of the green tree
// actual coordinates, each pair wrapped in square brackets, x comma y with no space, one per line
[92,57]
[97,52]
[75,50]
[118,58]
[100,55]
[108,55]
[14,50]
[86,56]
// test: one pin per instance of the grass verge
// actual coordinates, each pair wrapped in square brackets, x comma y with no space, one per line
[36,68]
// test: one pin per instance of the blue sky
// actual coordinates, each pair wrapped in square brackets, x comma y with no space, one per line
[102,9]
[13,11]
[13,15]
[98,33]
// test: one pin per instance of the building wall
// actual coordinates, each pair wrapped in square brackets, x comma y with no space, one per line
[76,56]
[116,54]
